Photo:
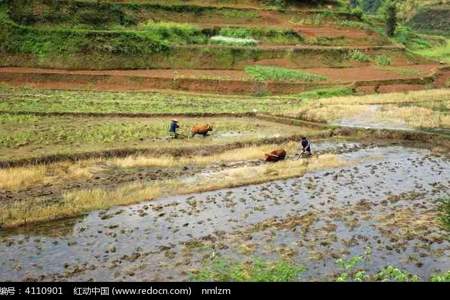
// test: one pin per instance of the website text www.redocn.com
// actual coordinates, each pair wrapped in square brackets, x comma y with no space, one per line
[151,291]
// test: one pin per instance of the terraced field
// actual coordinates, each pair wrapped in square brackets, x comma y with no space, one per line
[93,187]
[203,48]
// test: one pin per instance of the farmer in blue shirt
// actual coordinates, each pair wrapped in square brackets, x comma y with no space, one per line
[173,128]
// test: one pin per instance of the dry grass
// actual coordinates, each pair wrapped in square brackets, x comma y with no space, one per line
[246,153]
[322,113]
[426,109]
[25,177]
[15,178]
[391,98]
[73,204]
[418,117]
[79,202]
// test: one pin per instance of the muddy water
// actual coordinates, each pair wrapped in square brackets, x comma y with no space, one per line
[384,202]
[369,119]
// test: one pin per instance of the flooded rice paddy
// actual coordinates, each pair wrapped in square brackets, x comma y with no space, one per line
[370,120]
[384,203]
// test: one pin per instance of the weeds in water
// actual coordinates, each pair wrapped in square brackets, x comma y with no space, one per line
[444,277]
[349,273]
[264,73]
[391,273]
[444,212]
[256,270]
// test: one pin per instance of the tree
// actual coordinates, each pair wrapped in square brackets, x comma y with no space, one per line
[391,18]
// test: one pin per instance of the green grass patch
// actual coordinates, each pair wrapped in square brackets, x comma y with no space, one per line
[439,52]
[22,39]
[265,73]
[444,277]
[326,93]
[174,33]
[34,100]
[224,40]
[274,36]
[358,55]
[256,270]
[24,136]
[382,60]
[444,212]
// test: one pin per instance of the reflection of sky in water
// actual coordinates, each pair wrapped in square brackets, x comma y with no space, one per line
[98,241]
[369,119]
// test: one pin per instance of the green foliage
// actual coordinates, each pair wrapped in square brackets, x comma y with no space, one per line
[264,73]
[224,40]
[358,12]
[391,273]
[348,270]
[358,55]
[444,212]
[326,93]
[277,36]
[382,60]
[174,33]
[444,277]
[254,271]
[439,52]
[103,102]
[21,39]
[281,4]
[410,39]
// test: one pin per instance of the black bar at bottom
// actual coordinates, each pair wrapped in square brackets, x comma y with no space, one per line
[188,290]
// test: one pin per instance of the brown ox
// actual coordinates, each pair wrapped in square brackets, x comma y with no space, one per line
[276,155]
[202,129]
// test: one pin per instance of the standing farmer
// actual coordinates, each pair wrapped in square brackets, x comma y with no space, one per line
[173,128]
[306,146]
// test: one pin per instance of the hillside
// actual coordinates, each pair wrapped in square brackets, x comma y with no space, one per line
[210,46]
[432,19]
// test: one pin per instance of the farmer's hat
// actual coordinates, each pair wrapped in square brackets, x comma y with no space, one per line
[174,120]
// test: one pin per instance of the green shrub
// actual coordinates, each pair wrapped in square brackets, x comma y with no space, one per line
[254,271]
[358,55]
[326,93]
[174,33]
[22,39]
[383,60]
[391,273]
[411,39]
[445,277]
[268,35]
[224,40]
[444,212]
[264,73]
[358,12]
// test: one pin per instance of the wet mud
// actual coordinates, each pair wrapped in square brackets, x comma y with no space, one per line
[385,201]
